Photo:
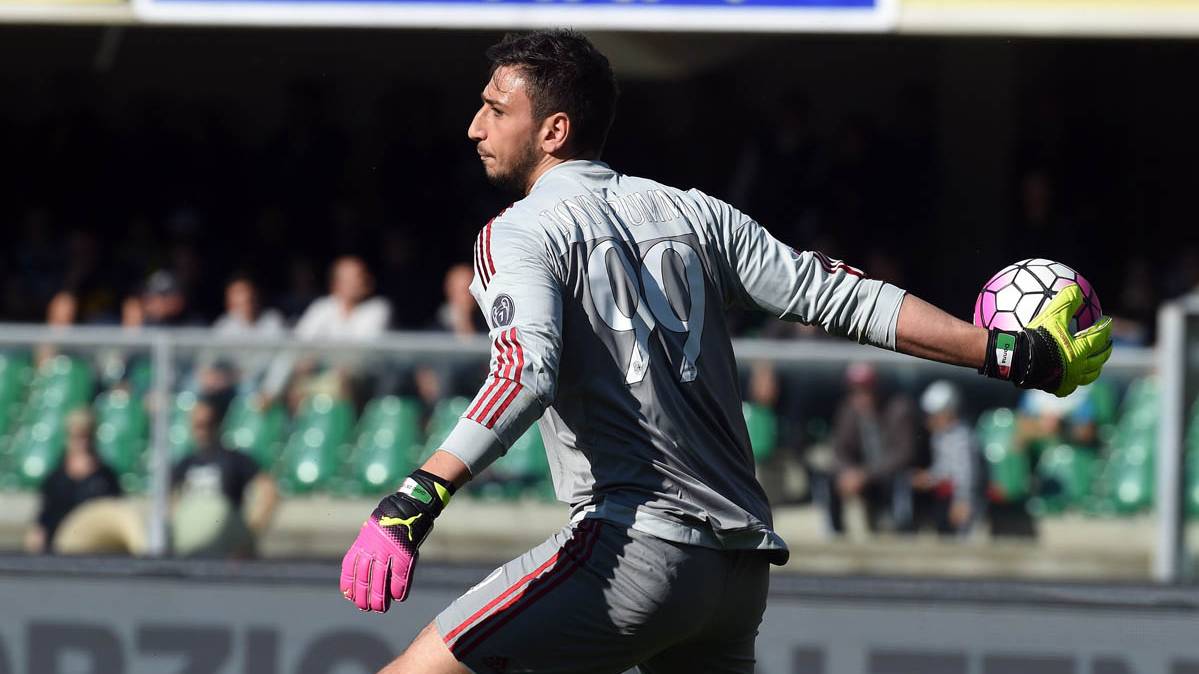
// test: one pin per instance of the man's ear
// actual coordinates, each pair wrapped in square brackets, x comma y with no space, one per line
[555,133]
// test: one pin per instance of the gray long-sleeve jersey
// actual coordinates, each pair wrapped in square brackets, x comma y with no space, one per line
[605,295]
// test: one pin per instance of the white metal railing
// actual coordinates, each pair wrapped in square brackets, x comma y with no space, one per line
[165,344]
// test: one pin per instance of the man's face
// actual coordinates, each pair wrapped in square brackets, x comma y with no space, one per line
[505,132]
[351,282]
[163,306]
[457,286]
[203,417]
[240,300]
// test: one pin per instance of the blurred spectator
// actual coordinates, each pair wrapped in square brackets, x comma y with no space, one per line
[348,312]
[874,443]
[954,479]
[161,304]
[458,315]
[302,288]
[1044,419]
[221,374]
[89,277]
[133,313]
[164,302]
[81,477]
[224,501]
[60,313]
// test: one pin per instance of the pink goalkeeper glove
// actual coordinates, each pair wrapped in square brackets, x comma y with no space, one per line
[378,566]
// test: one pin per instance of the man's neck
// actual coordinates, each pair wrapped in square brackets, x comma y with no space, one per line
[546,163]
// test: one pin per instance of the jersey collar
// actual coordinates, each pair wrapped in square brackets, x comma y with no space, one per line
[572,167]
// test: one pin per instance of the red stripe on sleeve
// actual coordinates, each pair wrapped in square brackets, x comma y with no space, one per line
[495,380]
[487,245]
[479,271]
[507,384]
[520,366]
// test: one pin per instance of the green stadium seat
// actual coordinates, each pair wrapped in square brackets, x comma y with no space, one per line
[1065,472]
[1104,400]
[1008,469]
[15,372]
[318,437]
[61,383]
[763,428]
[388,445]
[257,432]
[179,434]
[122,432]
[37,447]
[1127,481]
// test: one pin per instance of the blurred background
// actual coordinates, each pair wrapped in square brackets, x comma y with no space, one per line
[233,290]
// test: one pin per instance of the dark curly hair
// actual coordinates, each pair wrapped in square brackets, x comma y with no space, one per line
[565,73]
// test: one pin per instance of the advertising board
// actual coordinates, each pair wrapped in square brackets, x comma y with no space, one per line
[640,15]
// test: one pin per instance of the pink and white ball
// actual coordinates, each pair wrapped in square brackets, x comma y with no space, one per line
[1014,296]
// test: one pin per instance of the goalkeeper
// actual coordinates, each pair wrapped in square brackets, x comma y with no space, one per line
[605,296]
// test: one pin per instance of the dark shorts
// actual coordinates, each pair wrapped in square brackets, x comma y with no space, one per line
[600,598]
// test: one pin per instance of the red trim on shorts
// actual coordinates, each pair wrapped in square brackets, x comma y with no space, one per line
[480,618]
[534,590]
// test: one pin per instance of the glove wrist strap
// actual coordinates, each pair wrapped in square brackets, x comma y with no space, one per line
[1042,366]
[1002,348]
[430,491]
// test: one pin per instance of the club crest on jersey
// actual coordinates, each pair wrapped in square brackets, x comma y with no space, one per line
[502,311]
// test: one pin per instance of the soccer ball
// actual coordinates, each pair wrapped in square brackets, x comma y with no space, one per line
[1014,296]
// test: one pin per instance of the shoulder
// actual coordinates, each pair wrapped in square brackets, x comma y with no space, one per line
[514,234]
[238,458]
[960,434]
[271,320]
[319,306]
[54,477]
[109,476]
[376,304]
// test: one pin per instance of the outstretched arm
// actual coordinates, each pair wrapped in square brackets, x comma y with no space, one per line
[1045,355]
[807,286]
[447,467]
[927,332]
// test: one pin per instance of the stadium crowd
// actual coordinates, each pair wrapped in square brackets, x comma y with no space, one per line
[155,212]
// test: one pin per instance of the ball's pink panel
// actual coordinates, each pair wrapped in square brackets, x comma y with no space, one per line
[986,313]
[986,310]
[1003,278]
[1006,320]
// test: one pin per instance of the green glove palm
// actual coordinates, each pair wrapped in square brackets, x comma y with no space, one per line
[1083,353]
[1045,355]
